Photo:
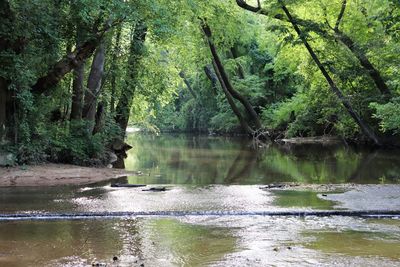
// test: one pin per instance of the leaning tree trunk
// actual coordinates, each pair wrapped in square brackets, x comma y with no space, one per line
[187,83]
[359,53]
[337,35]
[373,73]
[364,127]
[250,110]
[212,77]
[94,84]
[243,123]
[136,52]
[69,62]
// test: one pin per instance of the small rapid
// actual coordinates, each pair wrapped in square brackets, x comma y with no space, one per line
[377,214]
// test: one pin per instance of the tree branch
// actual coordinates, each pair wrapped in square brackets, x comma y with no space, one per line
[71,61]
[340,17]
[364,127]
[243,4]
[337,35]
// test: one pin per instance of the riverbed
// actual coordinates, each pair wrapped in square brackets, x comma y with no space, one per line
[221,174]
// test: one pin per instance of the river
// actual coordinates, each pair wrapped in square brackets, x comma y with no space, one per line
[222,174]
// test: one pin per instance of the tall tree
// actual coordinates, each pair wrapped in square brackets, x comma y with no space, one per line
[78,82]
[187,83]
[364,127]
[136,52]
[243,123]
[10,45]
[332,33]
[71,61]
[114,67]
[295,23]
[218,63]
[94,84]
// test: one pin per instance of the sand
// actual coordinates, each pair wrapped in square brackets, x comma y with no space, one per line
[57,175]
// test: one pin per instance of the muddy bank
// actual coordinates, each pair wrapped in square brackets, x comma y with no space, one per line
[57,175]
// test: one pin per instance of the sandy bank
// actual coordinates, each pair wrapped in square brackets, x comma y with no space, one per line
[56,175]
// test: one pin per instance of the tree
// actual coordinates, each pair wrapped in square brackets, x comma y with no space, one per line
[227,84]
[136,51]
[364,127]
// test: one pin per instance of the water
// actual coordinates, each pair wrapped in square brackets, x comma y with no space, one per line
[205,160]
[214,174]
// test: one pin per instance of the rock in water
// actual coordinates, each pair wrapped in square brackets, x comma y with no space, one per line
[128,185]
[156,189]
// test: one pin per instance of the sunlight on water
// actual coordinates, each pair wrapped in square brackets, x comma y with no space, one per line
[213,174]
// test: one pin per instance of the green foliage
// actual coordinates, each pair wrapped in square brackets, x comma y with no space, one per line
[271,68]
[389,115]
[68,142]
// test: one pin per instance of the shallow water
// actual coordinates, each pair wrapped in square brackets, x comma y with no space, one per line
[214,174]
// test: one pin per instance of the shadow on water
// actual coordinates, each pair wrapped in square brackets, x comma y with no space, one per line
[182,159]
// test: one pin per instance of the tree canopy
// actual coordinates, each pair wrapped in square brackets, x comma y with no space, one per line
[75,73]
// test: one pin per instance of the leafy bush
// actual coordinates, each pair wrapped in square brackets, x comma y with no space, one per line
[389,115]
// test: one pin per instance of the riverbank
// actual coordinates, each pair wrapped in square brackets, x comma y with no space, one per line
[57,175]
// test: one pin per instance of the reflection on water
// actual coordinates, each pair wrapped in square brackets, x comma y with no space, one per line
[213,174]
[203,241]
[181,159]
[161,242]
[301,199]
[357,243]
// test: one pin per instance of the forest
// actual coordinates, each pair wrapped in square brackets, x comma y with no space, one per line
[76,73]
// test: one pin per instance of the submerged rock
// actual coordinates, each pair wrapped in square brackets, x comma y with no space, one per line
[279,186]
[156,189]
[128,185]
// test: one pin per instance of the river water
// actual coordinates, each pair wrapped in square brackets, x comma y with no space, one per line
[202,174]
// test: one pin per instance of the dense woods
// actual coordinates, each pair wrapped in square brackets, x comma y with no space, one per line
[75,73]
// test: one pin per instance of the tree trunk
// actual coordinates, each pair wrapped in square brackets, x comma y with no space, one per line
[243,123]
[10,43]
[188,85]
[364,127]
[3,110]
[212,77]
[114,65]
[69,62]
[94,84]
[99,119]
[250,110]
[339,36]
[136,51]
[77,92]
[373,73]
